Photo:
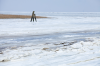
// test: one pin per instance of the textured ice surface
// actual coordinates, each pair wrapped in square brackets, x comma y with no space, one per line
[80,53]
[42,51]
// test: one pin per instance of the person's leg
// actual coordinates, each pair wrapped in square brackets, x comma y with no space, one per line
[31,19]
[35,19]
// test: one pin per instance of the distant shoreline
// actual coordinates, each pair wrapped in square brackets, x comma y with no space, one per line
[9,16]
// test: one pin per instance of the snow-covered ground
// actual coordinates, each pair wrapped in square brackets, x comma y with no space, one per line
[78,54]
[47,26]
[47,41]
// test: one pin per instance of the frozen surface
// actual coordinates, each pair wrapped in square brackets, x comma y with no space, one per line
[47,26]
[78,54]
[57,41]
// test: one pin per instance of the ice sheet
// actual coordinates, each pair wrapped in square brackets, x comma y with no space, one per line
[44,53]
[80,53]
[47,26]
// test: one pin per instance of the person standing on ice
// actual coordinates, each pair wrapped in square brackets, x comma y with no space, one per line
[33,17]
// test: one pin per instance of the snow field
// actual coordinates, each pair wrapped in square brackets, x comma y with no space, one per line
[19,27]
[83,53]
[76,54]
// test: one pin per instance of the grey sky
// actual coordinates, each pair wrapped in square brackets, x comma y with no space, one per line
[50,5]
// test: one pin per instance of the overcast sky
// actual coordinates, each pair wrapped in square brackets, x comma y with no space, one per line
[50,5]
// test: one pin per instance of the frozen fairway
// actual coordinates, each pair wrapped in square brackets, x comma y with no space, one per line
[55,41]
